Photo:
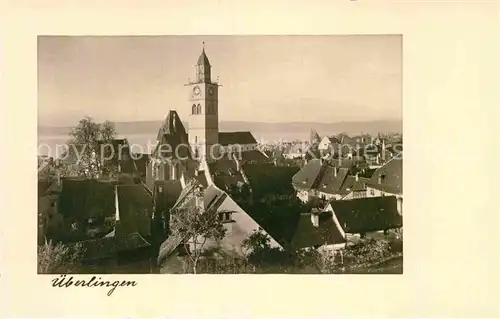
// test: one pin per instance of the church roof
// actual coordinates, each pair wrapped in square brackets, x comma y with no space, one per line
[172,125]
[236,138]
[203,59]
[170,135]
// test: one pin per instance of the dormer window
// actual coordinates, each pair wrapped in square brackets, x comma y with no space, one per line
[225,217]
[381,178]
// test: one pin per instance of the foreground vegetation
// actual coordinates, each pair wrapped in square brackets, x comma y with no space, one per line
[366,256]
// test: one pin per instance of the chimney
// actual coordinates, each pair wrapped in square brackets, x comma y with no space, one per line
[315,219]
[117,209]
[173,175]
[399,201]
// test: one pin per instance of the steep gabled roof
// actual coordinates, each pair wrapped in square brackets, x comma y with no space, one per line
[347,185]
[391,175]
[307,235]
[236,138]
[82,198]
[367,214]
[270,179]
[135,205]
[105,247]
[225,173]
[170,136]
[171,126]
[166,194]
[310,175]
[331,183]
[361,184]
[212,200]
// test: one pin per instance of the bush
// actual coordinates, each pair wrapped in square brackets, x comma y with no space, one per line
[367,251]
[58,258]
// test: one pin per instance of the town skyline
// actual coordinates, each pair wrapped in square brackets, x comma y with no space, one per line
[128,79]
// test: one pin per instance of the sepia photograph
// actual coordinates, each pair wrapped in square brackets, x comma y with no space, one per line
[234,154]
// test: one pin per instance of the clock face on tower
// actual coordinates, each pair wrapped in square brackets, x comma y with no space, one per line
[210,91]
[196,91]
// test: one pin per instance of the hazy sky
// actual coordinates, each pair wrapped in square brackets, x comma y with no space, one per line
[264,78]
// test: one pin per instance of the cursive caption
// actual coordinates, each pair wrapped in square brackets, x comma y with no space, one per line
[63,281]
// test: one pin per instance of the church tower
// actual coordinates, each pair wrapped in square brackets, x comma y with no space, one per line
[203,131]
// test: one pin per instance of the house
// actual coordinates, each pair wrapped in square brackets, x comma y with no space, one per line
[331,182]
[128,244]
[365,215]
[296,150]
[326,179]
[326,143]
[86,200]
[237,222]
[318,230]
[94,208]
[387,180]
[355,188]
[308,178]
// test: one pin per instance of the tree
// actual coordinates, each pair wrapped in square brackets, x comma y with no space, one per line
[92,143]
[197,225]
[261,254]
[59,258]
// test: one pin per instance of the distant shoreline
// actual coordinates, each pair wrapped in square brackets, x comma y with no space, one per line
[349,127]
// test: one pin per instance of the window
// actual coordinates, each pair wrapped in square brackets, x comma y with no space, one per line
[193,109]
[198,109]
[372,192]
[224,217]
[160,189]
[381,178]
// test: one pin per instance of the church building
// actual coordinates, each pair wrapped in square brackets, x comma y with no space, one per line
[183,153]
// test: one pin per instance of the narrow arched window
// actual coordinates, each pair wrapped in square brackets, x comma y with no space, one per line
[193,109]
[198,109]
